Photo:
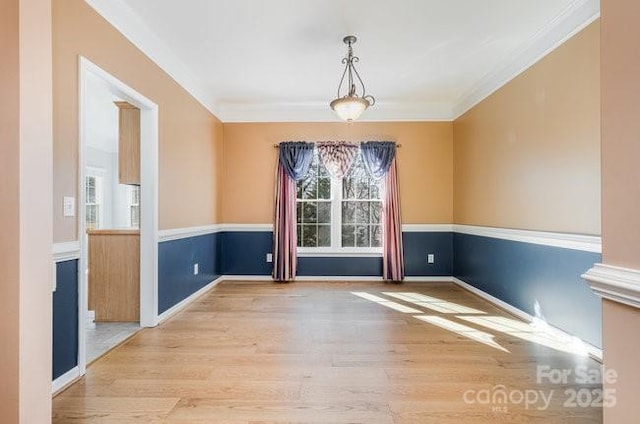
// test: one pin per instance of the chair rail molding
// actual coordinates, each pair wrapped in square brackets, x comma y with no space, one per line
[65,251]
[615,283]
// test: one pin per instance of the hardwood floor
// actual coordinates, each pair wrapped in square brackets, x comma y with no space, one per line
[318,353]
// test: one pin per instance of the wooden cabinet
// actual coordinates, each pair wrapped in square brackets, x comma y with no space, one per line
[114,275]
[129,144]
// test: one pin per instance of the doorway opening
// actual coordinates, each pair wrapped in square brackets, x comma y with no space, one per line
[117,220]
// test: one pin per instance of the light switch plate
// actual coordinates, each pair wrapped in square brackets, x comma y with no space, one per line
[69,206]
[269,257]
[431,258]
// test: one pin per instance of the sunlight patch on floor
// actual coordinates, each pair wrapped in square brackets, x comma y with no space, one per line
[463,330]
[433,303]
[530,333]
[388,303]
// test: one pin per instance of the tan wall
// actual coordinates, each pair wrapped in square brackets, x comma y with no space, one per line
[9,211]
[190,137]
[424,165]
[621,194]
[25,199]
[621,344]
[620,133]
[528,156]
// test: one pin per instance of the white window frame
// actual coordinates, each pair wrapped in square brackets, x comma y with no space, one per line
[130,204]
[336,248]
[99,174]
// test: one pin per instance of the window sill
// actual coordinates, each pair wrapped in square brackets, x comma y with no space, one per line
[342,253]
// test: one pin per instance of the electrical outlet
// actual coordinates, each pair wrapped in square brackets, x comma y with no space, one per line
[431,258]
[269,257]
[195,269]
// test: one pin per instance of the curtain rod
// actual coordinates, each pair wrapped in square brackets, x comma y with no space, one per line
[276,145]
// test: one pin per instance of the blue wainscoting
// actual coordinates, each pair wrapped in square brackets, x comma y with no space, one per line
[65,318]
[340,266]
[417,245]
[244,253]
[176,259]
[522,273]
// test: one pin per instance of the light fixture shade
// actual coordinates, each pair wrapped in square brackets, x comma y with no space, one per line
[349,108]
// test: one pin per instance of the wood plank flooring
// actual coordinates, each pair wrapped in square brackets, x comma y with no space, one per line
[333,353]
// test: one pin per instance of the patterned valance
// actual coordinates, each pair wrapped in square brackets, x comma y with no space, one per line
[337,157]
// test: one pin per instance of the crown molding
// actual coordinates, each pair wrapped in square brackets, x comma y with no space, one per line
[320,112]
[576,17]
[615,283]
[127,22]
[573,19]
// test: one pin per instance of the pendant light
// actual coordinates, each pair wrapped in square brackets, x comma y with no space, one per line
[350,106]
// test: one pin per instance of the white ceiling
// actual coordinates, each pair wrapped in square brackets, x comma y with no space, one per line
[280,60]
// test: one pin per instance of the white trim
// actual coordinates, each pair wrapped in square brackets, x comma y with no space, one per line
[180,233]
[329,252]
[593,351]
[427,228]
[66,251]
[576,17]
[246,278]
[65,380]
[181,305]
[119,14]
[268,278]
[246,227]
[615,283]
[319,112]
[433,279]
[564,240]
[148,193]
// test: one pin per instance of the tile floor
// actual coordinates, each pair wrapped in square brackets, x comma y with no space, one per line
[106,336]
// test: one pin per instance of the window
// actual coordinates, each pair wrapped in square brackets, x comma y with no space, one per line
[94,199]
[338,216]
[133,204]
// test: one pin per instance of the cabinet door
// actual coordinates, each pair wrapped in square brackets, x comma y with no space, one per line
[129,144]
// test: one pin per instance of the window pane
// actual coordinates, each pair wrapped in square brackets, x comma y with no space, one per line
[324,188]
[362,236]
[348,212]
[309,188]
[376,212]
[321,170]
[324,212]
[309,212]
[310,235]
[299,234]
[91,189]
[362,212]
[376,235]
[348,189]
[375,190]
[324,235]
[299,212]
[348,236]
[362,188]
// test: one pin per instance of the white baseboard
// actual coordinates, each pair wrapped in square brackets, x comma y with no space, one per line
[65,380]
[594,352]
[179,306]
[333,278]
